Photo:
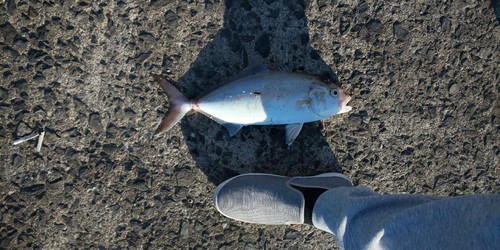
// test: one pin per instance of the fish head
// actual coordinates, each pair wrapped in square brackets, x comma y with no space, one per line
[343,100]
[328,100]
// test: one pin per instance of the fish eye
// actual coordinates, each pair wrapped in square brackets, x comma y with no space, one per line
[334,92]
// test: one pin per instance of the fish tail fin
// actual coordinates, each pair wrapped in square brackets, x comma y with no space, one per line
[179,107]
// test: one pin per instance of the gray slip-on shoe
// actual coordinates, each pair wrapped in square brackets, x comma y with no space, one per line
[270,199]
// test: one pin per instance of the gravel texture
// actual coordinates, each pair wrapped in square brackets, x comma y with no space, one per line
[423,76]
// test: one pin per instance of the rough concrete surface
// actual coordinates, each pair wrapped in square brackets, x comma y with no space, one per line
[423,76]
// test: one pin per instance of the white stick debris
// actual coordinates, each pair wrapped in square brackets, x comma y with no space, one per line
[26,138]
[40,142]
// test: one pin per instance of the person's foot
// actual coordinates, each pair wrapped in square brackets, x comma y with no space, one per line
[274,199]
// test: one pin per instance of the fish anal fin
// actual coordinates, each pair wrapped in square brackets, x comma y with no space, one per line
[292,131]
[232,128]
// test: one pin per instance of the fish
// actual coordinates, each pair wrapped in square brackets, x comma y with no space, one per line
[260,96]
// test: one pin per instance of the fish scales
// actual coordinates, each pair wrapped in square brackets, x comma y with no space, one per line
[271,98]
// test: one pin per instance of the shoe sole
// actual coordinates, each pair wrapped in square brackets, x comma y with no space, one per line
[220,186]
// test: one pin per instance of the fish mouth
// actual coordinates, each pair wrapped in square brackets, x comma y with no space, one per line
[344,99]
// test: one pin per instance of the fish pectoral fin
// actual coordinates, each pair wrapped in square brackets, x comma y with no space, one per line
[232,128]
[292,131]
[303,102]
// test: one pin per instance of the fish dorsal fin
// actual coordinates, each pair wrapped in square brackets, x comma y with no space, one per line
[256,68]
[284,68]
[292,131]
[251,70]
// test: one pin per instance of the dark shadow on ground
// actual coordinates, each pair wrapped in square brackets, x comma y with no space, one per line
[495,4]
[273,33]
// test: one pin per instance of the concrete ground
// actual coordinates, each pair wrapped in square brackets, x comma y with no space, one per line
[423,76]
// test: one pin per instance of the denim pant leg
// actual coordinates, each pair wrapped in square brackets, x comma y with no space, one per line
[363,219]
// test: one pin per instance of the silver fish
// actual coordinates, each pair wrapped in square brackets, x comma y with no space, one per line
[261,97]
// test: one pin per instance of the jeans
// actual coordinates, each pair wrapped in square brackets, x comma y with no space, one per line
[363,219]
